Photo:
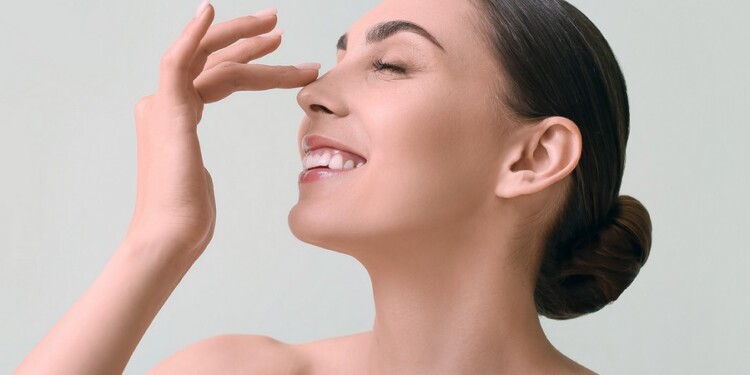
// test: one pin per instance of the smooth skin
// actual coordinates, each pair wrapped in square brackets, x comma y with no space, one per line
[448,206]
[446,214]
[175,210]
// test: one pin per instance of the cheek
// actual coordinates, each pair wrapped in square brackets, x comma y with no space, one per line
[428,169]
[429,161]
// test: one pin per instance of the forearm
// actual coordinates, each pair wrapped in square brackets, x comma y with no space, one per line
[101,330]
[175,201]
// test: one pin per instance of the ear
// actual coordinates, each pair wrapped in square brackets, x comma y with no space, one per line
[544,154]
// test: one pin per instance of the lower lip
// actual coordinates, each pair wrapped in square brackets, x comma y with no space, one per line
[313,175]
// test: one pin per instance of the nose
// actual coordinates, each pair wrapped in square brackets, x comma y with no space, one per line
[323,98]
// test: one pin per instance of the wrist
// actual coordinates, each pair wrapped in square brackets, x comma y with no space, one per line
[170,261]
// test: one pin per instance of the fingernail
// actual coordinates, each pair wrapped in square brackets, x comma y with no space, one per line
[308,66]
[202,7]
[266,13]
[275,32]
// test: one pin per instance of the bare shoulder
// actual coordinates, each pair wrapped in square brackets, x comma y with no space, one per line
[337,355]
[234,354]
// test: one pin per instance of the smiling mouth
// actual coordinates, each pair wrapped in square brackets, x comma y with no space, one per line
[333,159]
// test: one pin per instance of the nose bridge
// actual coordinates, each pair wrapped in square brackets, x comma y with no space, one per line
[323,95]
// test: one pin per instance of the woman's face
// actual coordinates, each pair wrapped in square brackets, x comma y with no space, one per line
[412,94]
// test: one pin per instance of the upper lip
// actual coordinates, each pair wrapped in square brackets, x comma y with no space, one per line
[315,141]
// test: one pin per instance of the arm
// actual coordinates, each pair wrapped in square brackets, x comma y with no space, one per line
[100,332]
[175,210]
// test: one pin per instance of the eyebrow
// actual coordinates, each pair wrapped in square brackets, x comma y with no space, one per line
[385,30]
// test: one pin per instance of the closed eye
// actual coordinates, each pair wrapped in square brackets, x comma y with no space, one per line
[380,65]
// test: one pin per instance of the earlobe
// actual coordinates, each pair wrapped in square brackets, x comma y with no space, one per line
[545,153]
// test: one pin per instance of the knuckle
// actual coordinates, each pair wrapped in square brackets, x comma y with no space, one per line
[142,106]
[237,84]
[225,65]
[284,76]
[169,61]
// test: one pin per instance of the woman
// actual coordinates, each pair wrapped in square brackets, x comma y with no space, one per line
[468,153]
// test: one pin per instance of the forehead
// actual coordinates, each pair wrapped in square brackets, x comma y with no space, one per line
[451,22]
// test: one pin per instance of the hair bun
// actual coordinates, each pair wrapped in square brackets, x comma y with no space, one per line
[600,266]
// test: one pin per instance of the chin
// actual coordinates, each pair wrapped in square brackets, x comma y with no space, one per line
[339,227]
[319,228]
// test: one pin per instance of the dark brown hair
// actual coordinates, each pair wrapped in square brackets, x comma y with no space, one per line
[555,62]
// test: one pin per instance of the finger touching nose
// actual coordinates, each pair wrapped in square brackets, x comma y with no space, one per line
[322,98]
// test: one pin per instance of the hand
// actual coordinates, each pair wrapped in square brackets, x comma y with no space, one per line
[175,206]
[175,209]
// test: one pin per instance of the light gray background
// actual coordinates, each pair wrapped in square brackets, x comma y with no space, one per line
[72,71]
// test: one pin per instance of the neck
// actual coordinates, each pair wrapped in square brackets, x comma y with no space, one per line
[453,307]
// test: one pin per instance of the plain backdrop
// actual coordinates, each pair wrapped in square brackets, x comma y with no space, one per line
[72,71]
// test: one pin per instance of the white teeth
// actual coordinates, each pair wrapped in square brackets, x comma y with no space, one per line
[308,163]
[329,159]
[337,162]
[325,158]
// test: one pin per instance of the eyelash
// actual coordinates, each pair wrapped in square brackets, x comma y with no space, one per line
[381,65]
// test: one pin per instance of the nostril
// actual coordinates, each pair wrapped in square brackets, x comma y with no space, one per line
[318,108]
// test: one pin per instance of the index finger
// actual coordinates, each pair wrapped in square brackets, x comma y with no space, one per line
[218,83]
